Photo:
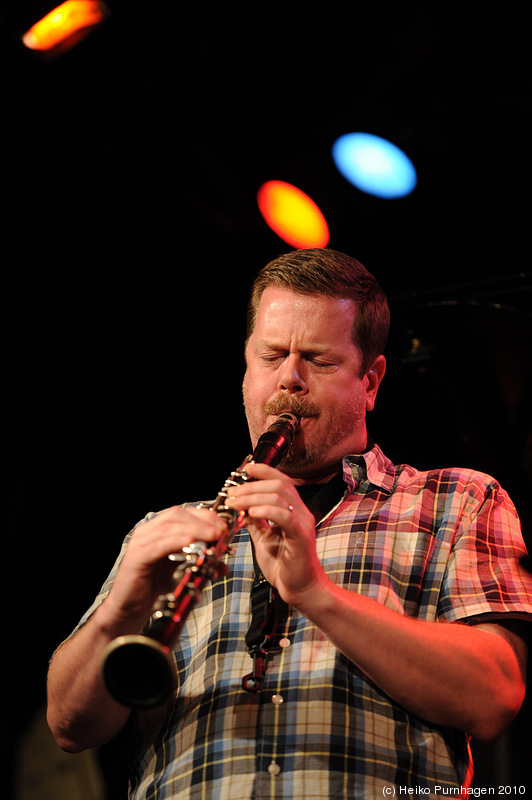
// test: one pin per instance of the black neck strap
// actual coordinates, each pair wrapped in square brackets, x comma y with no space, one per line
[266,605]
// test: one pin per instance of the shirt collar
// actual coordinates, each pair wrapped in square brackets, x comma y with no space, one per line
[372,466]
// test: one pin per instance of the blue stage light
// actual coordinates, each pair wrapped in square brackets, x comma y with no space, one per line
[374,165]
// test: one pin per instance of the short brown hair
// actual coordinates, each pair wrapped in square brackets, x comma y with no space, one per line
[329,272]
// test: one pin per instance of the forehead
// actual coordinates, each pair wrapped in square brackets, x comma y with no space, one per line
[309,318]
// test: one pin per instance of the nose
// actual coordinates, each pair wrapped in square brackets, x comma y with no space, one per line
[291,376]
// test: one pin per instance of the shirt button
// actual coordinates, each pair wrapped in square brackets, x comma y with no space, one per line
[277,699]
[284,642]
[274,768]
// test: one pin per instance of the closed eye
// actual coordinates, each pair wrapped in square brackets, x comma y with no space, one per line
[322,365]
[271,359]
[317,363]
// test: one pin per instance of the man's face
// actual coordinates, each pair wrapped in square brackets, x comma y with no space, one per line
[301,358]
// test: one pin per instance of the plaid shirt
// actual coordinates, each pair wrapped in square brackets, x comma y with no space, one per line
[439,546]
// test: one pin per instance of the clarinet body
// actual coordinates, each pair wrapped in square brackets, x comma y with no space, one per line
[138,670]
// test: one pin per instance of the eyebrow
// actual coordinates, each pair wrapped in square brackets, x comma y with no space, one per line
[310,351]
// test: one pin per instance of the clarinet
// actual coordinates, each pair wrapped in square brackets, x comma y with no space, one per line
[139,670]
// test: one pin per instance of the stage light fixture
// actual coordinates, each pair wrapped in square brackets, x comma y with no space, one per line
[65,25]
[292,215]
[374,165]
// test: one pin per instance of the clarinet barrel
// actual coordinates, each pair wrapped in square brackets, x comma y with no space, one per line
[138,670]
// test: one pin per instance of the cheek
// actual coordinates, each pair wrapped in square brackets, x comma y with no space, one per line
[247,383]
[252,391]
[256,383]
[348,401]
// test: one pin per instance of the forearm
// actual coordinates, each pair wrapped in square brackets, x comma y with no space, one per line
[81,713]
[460,676]
[450,674]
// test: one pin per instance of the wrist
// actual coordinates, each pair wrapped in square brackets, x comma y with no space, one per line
[111,623]
[317,600]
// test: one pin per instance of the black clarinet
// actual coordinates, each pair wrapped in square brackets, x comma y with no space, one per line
[139,670]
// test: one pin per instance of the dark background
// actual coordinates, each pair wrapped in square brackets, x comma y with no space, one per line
[131,236]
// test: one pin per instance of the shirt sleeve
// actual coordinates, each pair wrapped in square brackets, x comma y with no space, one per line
[104,591]
[484,574]
[106,587]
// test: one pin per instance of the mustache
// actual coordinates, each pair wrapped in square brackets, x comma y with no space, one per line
[293,404]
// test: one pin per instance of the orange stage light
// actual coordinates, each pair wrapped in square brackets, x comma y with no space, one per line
[71,19]
[292,215]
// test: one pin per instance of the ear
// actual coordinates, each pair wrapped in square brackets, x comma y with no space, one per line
[373,378]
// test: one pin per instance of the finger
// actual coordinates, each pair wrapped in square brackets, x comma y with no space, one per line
[208,520]
[174,528]
[264,472]
[283,518]
[200,523]
[252,498]
[283,489]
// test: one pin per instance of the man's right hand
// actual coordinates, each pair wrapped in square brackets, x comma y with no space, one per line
[81,713]
[146,571]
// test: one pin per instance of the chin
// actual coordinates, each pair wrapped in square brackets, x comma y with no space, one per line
[302,455]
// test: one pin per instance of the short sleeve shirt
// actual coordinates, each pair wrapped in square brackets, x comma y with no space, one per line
[442,546]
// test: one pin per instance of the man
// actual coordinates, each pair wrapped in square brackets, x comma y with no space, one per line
[399,629]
